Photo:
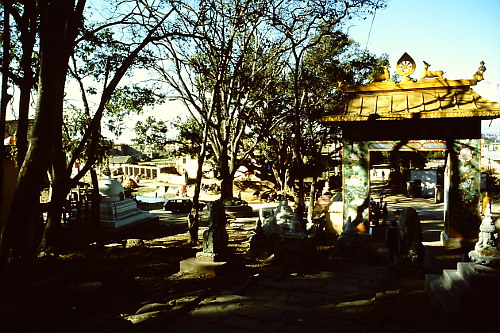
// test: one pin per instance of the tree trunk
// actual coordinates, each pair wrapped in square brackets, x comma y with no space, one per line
[28,36]
[297,153]
[57,19]
[312,196]
[226,187]
[95,218]
[52,233]
[4,99]
[194,218]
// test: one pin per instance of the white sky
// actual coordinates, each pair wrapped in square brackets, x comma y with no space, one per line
[451,35]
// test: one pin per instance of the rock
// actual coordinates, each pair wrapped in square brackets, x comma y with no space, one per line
[152,307]
[133,242]
[138,318]
[86,289]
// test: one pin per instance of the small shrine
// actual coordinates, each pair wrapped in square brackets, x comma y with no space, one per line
[430,112]
[116,211]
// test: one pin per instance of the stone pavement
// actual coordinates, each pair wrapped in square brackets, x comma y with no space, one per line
[356,291]
[329,291]
[349,296]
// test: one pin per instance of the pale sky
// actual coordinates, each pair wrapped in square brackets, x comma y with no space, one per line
[451,35]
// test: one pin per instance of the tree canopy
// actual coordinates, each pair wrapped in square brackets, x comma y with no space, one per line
[248,71]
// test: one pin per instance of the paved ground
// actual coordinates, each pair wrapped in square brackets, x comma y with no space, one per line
[328,290]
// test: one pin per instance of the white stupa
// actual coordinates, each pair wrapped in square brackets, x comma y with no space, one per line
[117,212]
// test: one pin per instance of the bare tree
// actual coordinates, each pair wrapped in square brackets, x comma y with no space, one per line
[224,74]
[304,24]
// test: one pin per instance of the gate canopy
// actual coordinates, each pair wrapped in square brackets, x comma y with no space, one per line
[431,97]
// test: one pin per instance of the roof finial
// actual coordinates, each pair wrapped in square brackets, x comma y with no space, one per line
[405,67]
[479,73]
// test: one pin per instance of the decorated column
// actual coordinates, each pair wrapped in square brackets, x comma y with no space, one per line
[355,180]
[462,217]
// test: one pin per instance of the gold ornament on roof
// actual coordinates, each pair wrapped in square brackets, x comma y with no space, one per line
[405,67]
[384,77]
[430,74]
[480,71]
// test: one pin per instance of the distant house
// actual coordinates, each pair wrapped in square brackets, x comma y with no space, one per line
[188,165]
[137,152]
[127,159]
[490,157]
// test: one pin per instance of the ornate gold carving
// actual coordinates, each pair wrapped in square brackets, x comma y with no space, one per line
[405,67]
[430,74]
[480,71]
[384,77]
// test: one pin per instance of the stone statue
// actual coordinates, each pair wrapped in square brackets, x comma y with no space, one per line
[430,74]
[259,241]
[486,251]
[411,249]
[215,238]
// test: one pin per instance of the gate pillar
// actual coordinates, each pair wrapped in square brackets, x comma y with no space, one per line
[463,178]
[355,180]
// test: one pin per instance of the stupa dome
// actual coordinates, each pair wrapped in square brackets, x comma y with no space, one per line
[110,189]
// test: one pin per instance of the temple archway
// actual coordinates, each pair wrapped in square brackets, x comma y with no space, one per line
[431,113]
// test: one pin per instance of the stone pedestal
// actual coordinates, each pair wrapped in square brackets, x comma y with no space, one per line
[212,261]
[468,293]
[117,213]
[122,214]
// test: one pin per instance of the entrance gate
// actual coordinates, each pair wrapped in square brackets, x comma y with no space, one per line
[432,113]
[356,180]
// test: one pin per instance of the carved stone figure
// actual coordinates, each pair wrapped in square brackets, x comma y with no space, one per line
[215,238]
[259,241]
[487,251]
[411,249]
[480,71]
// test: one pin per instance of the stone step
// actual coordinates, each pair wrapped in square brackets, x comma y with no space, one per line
[482,279]
[441,296]
[197,266]
[468,292]
[454,283]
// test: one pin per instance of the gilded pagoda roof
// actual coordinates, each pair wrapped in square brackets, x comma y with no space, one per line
[432,96]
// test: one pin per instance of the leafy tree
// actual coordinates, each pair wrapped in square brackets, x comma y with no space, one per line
[59,23]
[189,135]
[152,132]
[4,96]
[222,75]
[62,27]
[304,26]
[21,62]
[334,59]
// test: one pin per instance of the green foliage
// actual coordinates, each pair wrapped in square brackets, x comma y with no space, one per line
[189,136]
[75,123]
[151,131]
[332,59]
[129,100]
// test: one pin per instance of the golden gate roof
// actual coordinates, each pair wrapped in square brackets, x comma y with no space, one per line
[432,96]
